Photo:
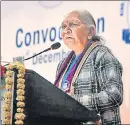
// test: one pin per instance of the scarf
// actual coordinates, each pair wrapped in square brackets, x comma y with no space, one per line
[65,65]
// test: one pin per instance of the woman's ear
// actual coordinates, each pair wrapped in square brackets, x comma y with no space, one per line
[91,32]
[89,37]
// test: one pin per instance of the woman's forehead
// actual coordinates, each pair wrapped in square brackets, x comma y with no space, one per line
[71,17]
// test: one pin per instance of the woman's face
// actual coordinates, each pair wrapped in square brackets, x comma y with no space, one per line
[74,32]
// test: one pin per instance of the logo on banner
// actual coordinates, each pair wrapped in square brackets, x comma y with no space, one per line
[126,31]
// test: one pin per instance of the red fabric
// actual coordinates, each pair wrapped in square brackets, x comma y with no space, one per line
[2,70]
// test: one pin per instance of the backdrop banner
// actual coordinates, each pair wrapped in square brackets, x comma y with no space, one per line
[28,27]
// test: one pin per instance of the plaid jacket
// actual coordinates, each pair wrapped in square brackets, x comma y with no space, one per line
[99,85]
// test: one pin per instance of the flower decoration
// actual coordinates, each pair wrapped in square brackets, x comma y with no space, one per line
[9,81]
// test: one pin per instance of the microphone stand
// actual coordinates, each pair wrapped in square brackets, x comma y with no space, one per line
[54,46]
[37,54]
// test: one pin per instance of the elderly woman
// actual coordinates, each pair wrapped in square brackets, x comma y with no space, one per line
[90,73]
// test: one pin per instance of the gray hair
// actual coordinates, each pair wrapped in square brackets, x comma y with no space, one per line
[86,17]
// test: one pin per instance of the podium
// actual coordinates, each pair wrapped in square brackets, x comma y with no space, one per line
[45,104]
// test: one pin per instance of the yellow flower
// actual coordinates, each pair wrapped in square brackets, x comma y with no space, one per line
[20,98]
[19,116]
[20,80]
[19,122]
[8,86]
[7,114]
[9,80]
[20,104]
[20,66]
[6,121]
[21,71]
[7,94]
[20,92]
[20,86]
[16,64]
[10,67]
[9,73]
[20,110]
[7,101]
[20,75]
[6,107]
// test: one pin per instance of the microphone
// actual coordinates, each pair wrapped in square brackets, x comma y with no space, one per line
[53,47]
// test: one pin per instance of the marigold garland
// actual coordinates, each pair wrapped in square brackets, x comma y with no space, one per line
[19,116]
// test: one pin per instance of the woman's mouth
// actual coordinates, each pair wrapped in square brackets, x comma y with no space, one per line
[69,38]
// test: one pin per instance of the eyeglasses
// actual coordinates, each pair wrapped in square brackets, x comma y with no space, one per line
[70,24]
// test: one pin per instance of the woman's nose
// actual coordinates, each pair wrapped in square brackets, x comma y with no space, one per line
[68,30]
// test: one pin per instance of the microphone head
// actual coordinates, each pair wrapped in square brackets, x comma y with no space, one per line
[55,46]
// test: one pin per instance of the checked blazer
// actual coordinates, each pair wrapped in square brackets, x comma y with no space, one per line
[99,86]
